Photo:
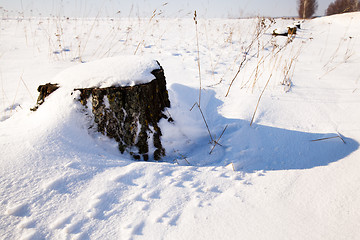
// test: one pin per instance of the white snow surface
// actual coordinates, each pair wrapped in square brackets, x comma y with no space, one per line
[108,72]
[292,174]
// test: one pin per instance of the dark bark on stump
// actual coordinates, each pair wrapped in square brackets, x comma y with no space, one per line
[290,32]
[130,115]
[44,91]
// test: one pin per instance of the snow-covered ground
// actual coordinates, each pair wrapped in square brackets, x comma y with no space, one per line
[292,174]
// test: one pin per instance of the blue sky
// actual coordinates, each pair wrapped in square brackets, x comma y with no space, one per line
[173,8]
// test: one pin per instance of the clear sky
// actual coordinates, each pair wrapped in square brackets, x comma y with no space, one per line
[172,8]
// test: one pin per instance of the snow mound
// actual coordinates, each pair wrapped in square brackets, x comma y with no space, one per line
[109,72]
[343,19]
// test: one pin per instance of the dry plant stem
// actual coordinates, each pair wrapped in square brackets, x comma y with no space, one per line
[17,90]
[267,83]
[143,37]
[332,69]
[262,61]
[51,45]
[202,114]
[113,40]
[227,70]
[232,164]
[217,141]
[114,44]
[187,161]
[257,105]
[256,74]
[334,54]
[27,89]
[90,32]
[322,139]
[287,69]
[101,45]
[258,32]
[240,66]
[198,56]
[338,47]
[182,156]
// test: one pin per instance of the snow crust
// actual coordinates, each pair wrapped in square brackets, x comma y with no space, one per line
[292,174]
[109,72]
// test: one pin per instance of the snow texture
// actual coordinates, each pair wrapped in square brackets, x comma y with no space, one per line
[109,72]
[292,174]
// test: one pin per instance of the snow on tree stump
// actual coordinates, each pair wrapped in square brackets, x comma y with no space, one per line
[292,30]
[127,97]
[131,114]
[44,91]
[289,31]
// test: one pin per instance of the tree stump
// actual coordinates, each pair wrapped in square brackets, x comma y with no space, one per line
[128,114]
[44,91]
[290,31]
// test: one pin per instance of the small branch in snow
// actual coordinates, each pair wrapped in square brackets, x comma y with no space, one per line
[202,114]
[327,138]
[216,142]
[232,164]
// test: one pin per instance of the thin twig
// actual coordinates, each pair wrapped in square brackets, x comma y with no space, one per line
[257,105]
[232,164]
[17,90]
[216,142]
[240,66]
[198,55]
[202,114]
[27,88]
[327,138]
[186,160]
[332,69]
[259,31]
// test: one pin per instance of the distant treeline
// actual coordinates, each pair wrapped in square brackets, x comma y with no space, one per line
[307,8]
[343,6]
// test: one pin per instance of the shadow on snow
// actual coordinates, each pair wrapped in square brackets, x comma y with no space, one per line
[251,148]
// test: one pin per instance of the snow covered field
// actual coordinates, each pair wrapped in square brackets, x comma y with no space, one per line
[292,174]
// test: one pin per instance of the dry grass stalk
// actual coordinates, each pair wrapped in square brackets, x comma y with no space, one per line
[331,69]
[142,42]
[287,68]
[202,114]
[327,138]
[240,66]
[259,31]
[17,90]
[267,83]
[81,51]
[216,142]
[232,164]
[198,56]
[257,75]
[27,88]
[182,157]
[257,105]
